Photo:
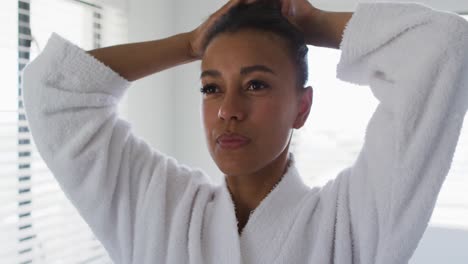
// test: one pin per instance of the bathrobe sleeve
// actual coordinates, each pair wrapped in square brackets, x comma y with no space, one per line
[414,59]
[111,176]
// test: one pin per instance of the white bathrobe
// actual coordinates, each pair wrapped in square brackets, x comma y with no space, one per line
[146,208]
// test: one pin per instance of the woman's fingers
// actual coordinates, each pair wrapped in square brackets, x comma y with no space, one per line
[198,35]
[226,7]
[285,5]
[293,10]
[292,7]
[220,12]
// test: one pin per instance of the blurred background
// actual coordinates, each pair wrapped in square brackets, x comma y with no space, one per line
[37,222]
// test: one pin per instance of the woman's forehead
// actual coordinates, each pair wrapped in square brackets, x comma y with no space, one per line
[246,48]
[247,38]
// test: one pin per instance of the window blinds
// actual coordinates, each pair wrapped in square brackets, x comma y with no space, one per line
[37,222]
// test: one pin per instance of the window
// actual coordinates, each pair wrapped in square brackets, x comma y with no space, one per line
[334,134]
[37,222]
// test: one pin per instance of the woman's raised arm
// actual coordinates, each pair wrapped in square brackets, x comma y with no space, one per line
[137,60]
[414,59]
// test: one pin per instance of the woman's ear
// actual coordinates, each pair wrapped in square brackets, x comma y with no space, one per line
[304,107]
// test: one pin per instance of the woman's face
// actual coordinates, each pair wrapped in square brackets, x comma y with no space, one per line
[251,102]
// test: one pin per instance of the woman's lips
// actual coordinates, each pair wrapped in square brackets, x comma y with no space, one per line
[232,141]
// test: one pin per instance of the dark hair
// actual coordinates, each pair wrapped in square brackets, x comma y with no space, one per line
[265,16]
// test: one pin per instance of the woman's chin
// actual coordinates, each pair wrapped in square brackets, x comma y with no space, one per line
[231,170]
[234,166]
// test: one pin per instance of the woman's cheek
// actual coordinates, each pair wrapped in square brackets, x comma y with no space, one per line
[271,111]
[209,116]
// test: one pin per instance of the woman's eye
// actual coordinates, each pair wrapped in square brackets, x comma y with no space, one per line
[209,89]
[256,85]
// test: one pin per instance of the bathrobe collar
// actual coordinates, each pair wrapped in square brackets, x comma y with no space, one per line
[268,222]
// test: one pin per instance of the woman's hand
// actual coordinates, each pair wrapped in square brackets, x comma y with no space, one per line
[320,28]
[301,14]
[197,36]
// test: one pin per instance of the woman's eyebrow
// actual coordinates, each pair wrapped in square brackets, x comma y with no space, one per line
[244,71]
[212,73]
[249,69]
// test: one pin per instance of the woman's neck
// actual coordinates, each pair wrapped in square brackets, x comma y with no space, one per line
[248,191]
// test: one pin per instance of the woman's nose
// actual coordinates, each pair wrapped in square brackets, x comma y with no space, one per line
[232,107]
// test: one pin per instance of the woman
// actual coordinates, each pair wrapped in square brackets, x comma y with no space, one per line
[146,208]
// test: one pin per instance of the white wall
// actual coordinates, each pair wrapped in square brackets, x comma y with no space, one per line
[164,108]
[190,146]
[150,99]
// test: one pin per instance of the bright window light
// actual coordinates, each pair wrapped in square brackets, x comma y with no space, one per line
[334,134]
